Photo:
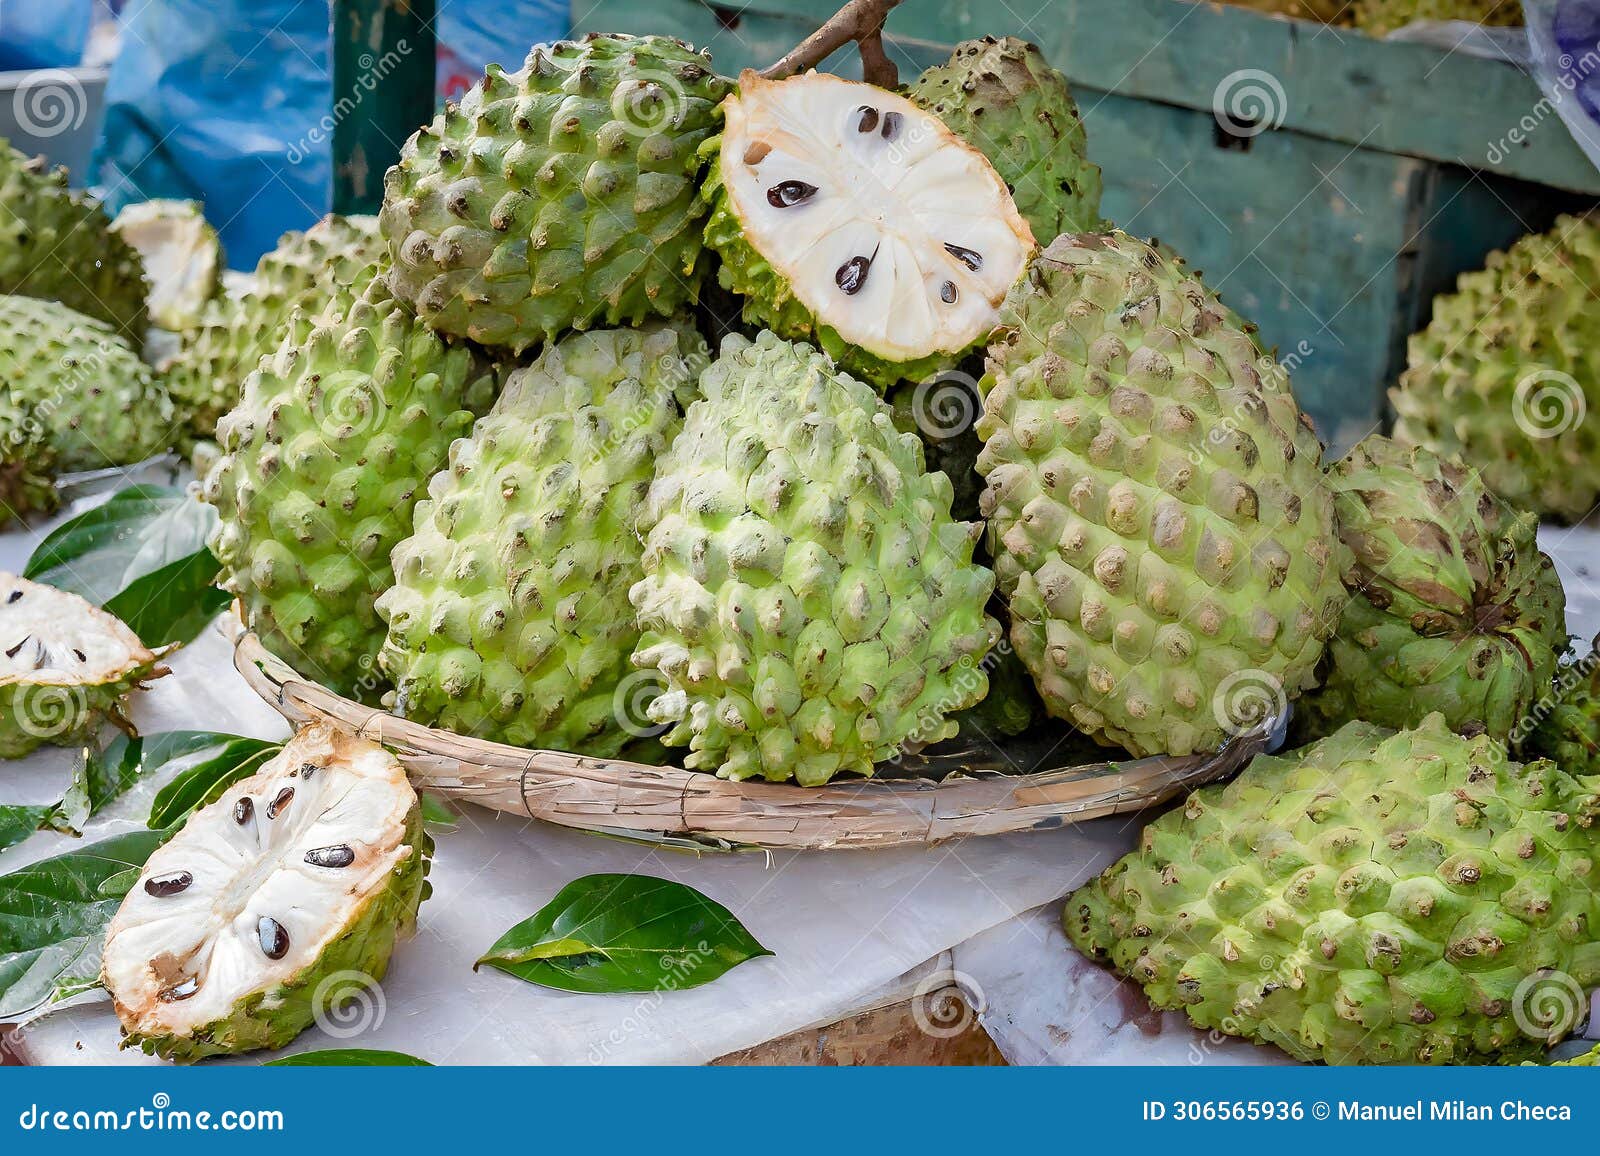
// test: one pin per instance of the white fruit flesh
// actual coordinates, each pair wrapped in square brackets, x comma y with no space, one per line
[182,257]
[235,904]
[51,638]
[844,186]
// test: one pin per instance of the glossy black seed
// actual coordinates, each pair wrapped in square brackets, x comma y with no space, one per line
[852,275]
[244,810]
[307,770]
[180,991]
[336,856]
[172,883]
[273,938]
[947,293]
[868,119]
[16,596]
[787,194]
[280,803]
[891,125]
[967,257]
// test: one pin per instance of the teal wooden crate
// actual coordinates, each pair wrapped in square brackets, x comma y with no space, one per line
[1354,180]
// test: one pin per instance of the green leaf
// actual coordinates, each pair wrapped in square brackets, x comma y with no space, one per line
[18,823]
[435,813]
[136,532]
[117,886]
[53,918]
[100,778]
[622,933]
[174,603]
[217,765]
[348,1058]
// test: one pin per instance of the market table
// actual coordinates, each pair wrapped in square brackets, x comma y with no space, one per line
[868,945]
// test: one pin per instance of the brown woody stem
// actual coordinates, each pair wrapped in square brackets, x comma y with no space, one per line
[859,20]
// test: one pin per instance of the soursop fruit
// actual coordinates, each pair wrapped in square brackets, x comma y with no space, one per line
[1375,898]
[509,618]
[1589,1059]
[1157,514]
[1012,704]
[1380,17]
[99,404]
[1506,374]
[847,216]
[808,599]
[274,906]
[323,462]
[561,196]
[943,411]
[58,245]
[1453,608]
[1002,97]
[305,272]
[64,665]
[181,254]
[27,463]
[1567,730]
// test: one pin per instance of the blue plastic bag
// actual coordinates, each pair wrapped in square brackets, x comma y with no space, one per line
[44,33]
[220,101]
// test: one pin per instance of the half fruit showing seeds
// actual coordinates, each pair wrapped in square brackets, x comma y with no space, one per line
[275,905]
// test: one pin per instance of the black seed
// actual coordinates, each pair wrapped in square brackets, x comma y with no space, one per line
[336,856]
[967,257]
[16,596]
[273,938]
[180,991]
[869,119]
[852,275]
[307,770]
[891,125]
[171,883]
[947,293]
[244,810]
[787,194]
[82,657]
[277,806]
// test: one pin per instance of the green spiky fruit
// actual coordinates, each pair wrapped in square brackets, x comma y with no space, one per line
[304,272]
[1383,16]
[27,462]
[808,599]
[1376,898]
[1568,727]
[58,245]
[562,196]
[323,462]
[1157,514]
[1589,1059]
[64,665]
[98,403]
[848,217]
[181,254]
[509,619]
[273,906]
[1002,97]
[943,411]
[1012,704]
[1453,608]
[1499,376]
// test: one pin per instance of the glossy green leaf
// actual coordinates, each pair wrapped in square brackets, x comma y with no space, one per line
[17,823]
[210,768]
[348,1058]
[437,814]
[136,532]
[624,933]
[172,604]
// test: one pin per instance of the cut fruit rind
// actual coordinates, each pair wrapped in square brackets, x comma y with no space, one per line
[64,664]
[847,216]
[274,907]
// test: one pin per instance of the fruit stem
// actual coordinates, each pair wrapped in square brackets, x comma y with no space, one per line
[859,20]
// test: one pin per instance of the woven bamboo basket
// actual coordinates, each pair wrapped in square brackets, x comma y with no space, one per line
[949,791]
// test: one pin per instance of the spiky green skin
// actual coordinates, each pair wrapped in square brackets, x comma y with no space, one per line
[27,462]
[303,272]
[1157,515]
[52,707]
[509,619]
[562,196]
[807,597]
[273,1018]
[1376,898]
[769,303]
[1003,98]
[98,403]
[1381,16]
[1010,707]
[1529,321]
[59,246]
[324,460]
[1568,730]
[1452,606]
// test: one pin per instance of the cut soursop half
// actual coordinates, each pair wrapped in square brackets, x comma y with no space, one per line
[273,906]
[182,258]
[847,216]
[63,665]
[509,619]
